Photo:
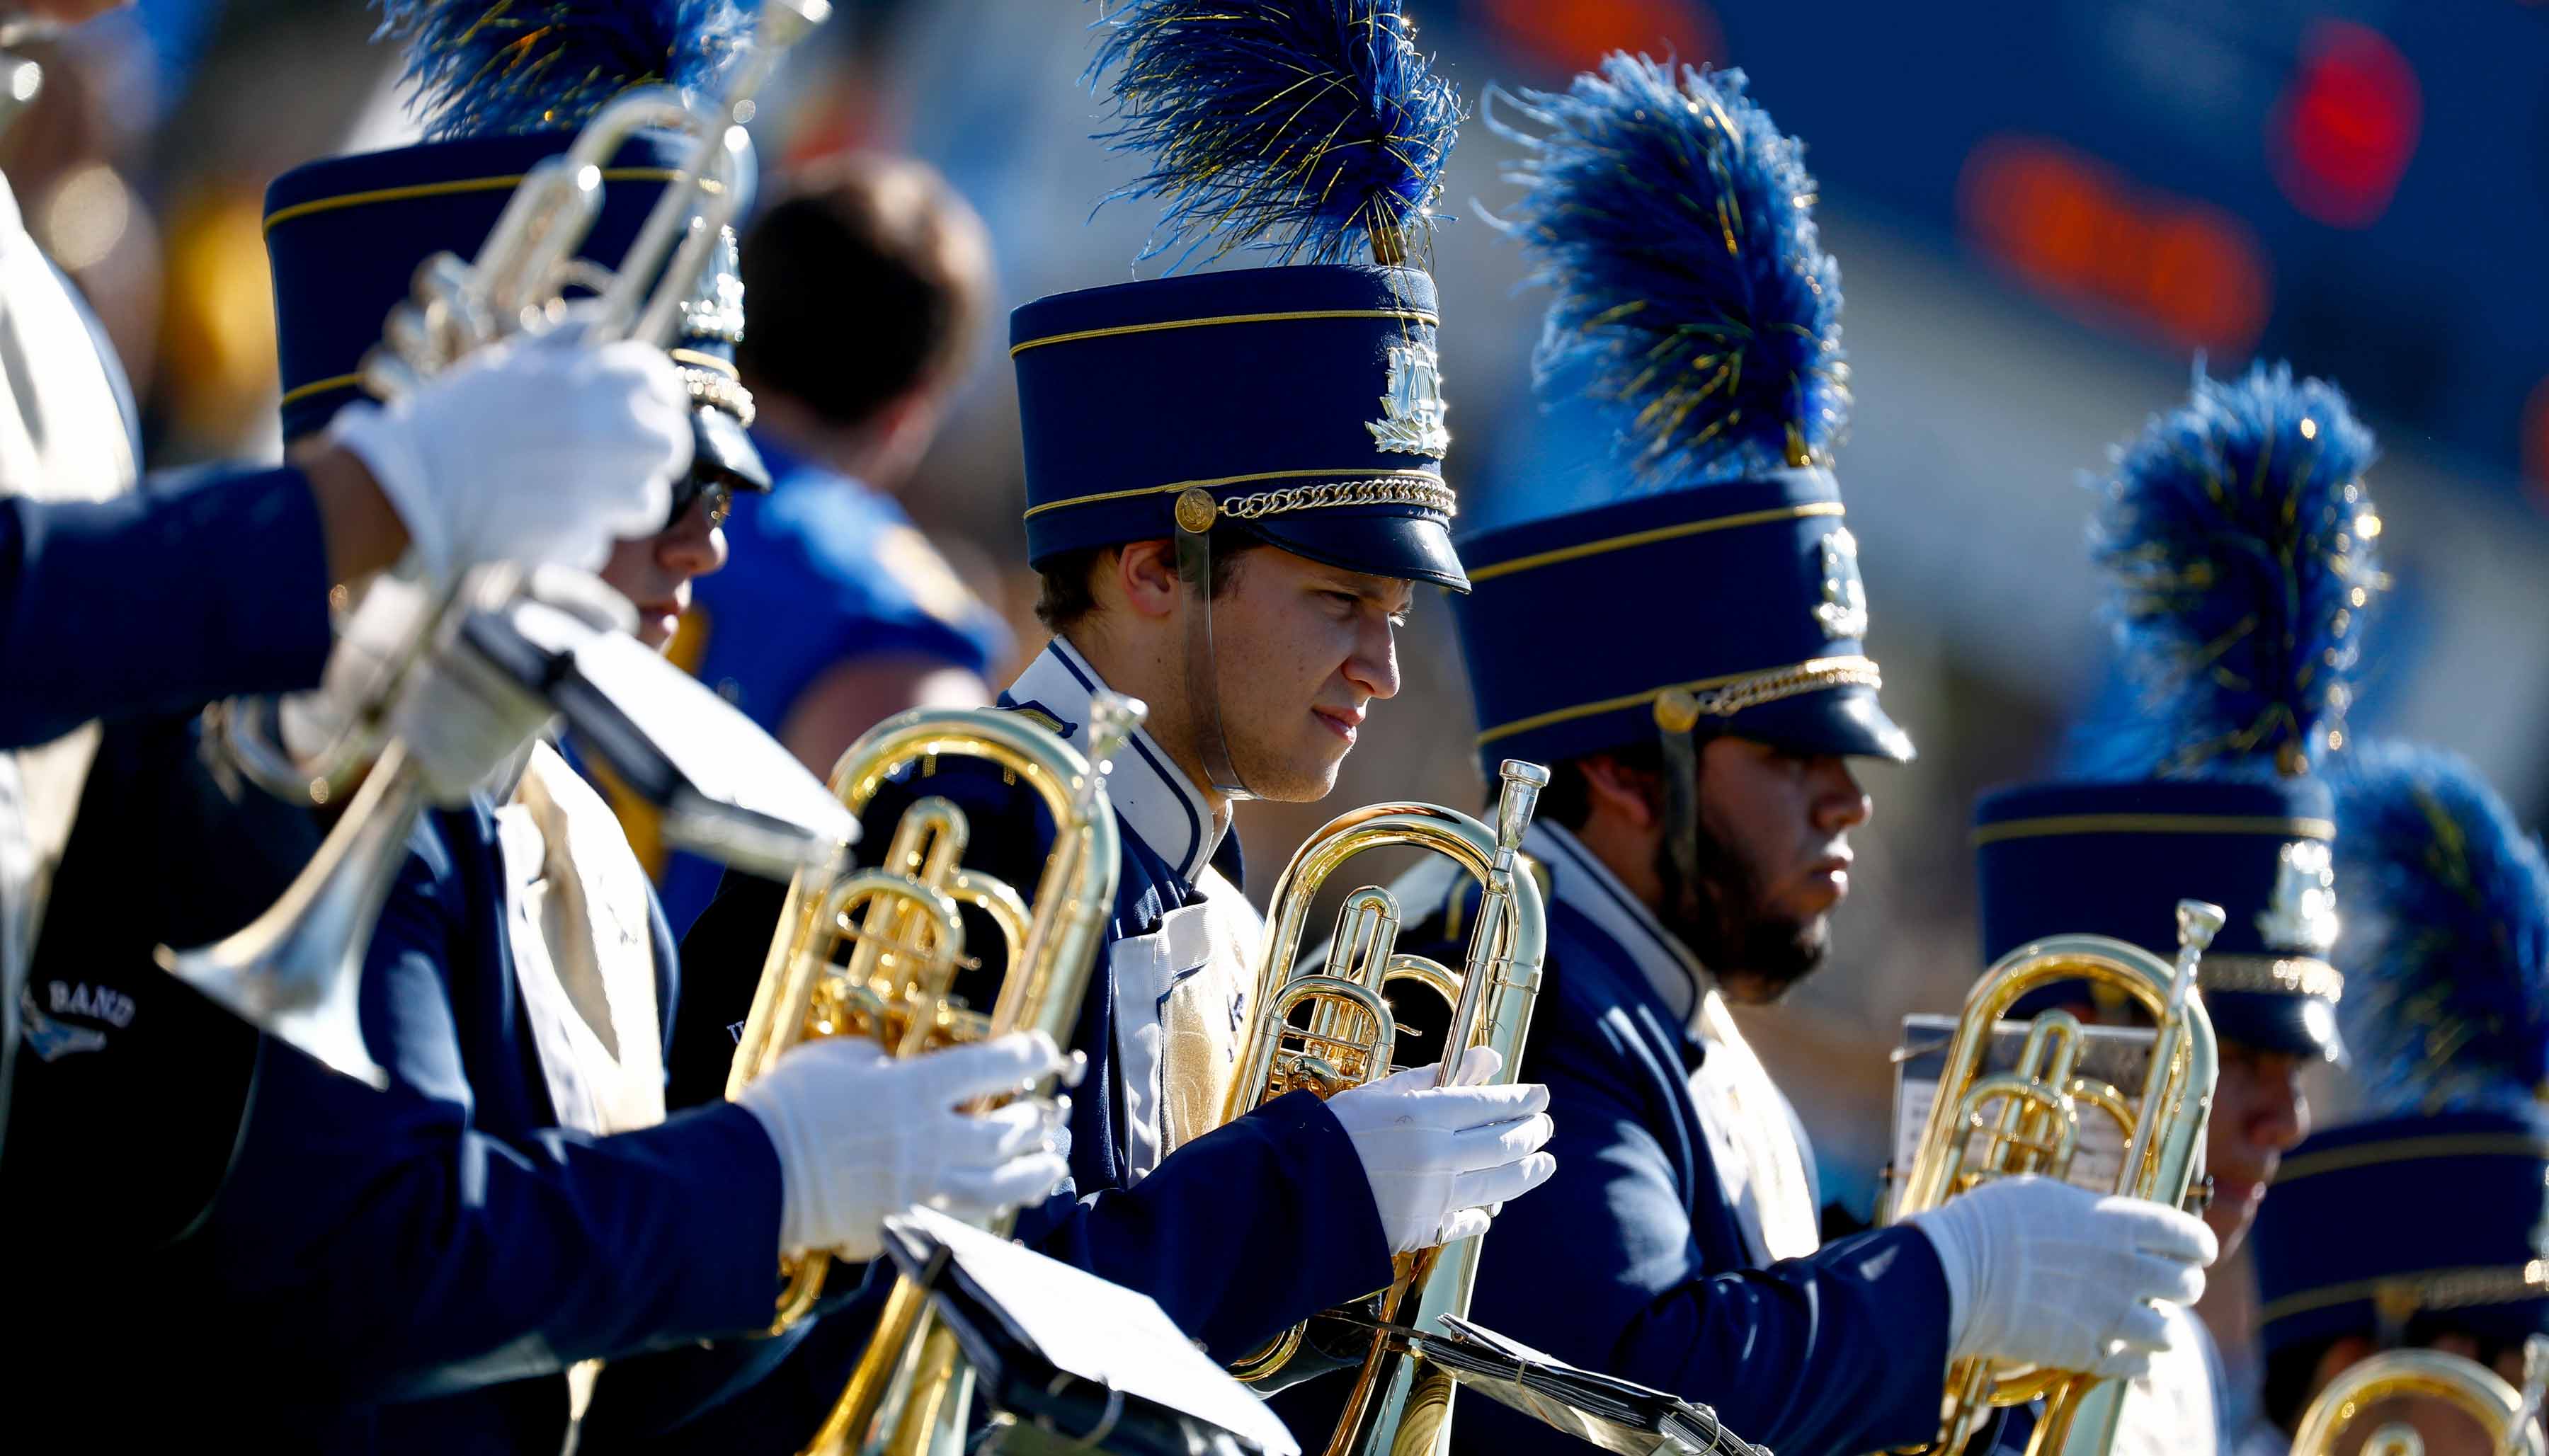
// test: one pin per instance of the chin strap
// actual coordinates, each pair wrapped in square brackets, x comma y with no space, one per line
[1195,513]
[1676,727]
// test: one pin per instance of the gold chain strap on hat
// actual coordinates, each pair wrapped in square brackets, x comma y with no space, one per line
[1679,709]
[718,392]
[2290,975]
[1197,509]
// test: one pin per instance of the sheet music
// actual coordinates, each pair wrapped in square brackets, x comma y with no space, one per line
[1103,1332]
[2119,1055]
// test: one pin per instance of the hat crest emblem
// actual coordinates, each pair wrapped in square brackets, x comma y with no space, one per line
[2302,916]
[1843,609]
[1412,405]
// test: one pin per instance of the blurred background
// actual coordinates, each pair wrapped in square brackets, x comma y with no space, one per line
[2045,211]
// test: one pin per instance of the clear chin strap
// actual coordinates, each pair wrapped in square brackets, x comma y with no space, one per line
[1195,513]
[1677,724]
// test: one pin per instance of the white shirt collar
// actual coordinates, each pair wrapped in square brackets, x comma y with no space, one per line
[1153,798]
[1583,882]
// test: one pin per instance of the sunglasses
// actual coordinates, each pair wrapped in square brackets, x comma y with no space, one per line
[716,495]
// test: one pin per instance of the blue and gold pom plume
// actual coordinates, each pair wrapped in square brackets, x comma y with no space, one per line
[2431,1213]
[2240,537]
[502,91]
[1695,316]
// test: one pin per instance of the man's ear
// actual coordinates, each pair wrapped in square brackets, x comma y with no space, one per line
[1633,795]
[1146,572]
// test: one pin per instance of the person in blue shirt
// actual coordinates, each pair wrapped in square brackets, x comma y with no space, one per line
[1696,831]
[1234,490]
[848,613]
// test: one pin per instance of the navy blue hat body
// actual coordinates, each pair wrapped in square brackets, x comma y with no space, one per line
[345,235]
[2377,1223]
[1746,596]
[1304,401]
[2114,858]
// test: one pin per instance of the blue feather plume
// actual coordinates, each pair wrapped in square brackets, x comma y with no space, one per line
[1308,128]
[2446,941]
[2242,543]
[489,67]
[1675,225]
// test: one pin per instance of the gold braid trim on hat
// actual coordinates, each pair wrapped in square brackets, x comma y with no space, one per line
[718,392]
[2401,1295]
[2290,975]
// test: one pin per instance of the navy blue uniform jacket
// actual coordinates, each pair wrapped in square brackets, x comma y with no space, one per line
[408,1270]
[1236,1235]
[159,600]
[1628,1262]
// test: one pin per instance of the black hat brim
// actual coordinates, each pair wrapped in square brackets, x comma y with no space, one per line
[1406,547]
[722,449]
[2277,1021]
[1846,722]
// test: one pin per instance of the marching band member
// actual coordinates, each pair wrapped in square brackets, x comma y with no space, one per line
[1695,833]
[2420,1224]
[117,603]
[430,1265]
[2240,613]
[848,615]
[1238,557]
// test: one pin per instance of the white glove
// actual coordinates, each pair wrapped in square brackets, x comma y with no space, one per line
[539,449]
[862,1135]
[2043,1272]
[1439,1157]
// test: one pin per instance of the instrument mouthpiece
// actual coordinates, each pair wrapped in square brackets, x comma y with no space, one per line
[1523,782]
[2198,923]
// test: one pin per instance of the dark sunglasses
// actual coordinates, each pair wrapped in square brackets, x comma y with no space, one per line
[694,490]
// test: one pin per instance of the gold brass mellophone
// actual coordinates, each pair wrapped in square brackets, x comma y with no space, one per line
[2510,1418]
[1346,1036]
[902,925]
[2027,1121]
[463,671]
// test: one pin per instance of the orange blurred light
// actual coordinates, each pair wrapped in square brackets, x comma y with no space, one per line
[2341,137]
[1579,32]
[2111,251]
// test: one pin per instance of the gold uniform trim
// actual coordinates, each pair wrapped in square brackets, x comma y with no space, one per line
[1716,696]
[2290,975]
[2064,824]
[1647,539]
[691,357]
[281,216]
[321,386]
[1411,315]
[2430,1289]
[2412,1150]
[698,360]
[1383,487]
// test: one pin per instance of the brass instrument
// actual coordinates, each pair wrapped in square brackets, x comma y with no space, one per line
[1401,1402]
[901,924]
[2510,1418]
[448,684]
[2027,1121]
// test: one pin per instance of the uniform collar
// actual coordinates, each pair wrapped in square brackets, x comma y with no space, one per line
[1153,798]
[1583,884]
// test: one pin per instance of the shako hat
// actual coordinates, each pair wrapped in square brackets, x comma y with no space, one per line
[502,87]
[1693,344]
